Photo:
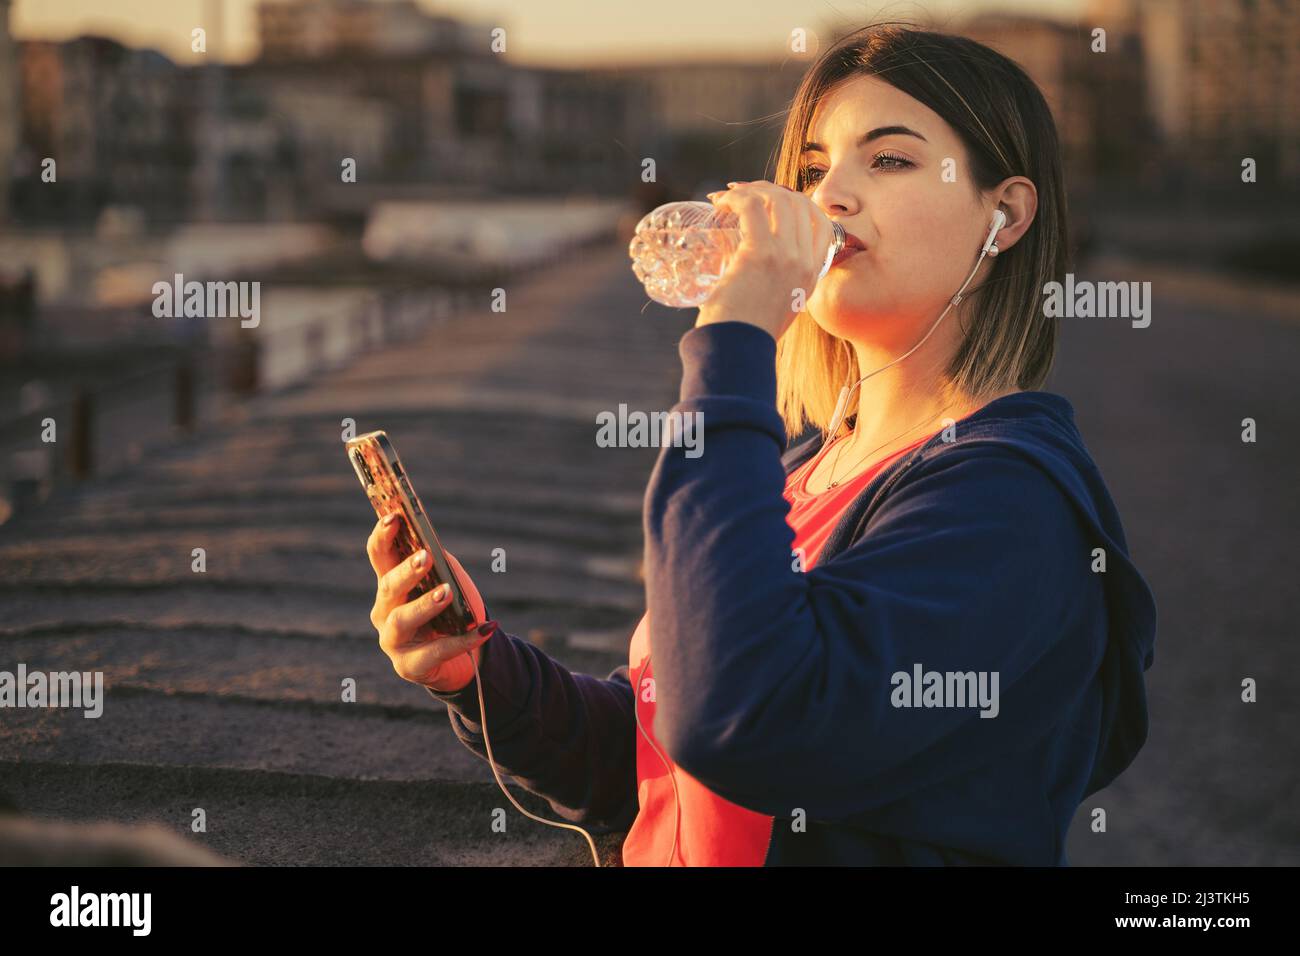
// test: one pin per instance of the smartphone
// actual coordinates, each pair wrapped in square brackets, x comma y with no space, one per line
[384,479]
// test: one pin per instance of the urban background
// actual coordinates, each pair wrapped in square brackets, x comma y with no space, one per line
[122,165]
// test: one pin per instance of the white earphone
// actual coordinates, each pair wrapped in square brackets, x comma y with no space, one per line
[990,248]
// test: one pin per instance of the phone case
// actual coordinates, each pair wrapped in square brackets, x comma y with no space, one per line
[384,479]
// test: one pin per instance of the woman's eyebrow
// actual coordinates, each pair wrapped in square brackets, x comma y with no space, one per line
[868,137]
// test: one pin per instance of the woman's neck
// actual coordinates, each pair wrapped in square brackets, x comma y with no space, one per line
[903,402]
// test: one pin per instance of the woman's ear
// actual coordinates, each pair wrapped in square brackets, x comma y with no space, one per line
[1018,199]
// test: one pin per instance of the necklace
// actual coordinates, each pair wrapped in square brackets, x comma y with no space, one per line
[838,451]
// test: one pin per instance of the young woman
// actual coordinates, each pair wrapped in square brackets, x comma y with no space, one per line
[916,637]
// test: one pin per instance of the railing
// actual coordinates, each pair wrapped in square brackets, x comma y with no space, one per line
[101,427]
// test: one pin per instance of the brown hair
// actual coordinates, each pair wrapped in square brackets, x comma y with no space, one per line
[1007,129]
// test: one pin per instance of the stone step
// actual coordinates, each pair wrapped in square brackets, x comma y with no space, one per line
[223,688]
[269,666]
[265,818]
[273,607]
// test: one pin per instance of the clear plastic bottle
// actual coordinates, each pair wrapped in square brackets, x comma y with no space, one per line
[680,251]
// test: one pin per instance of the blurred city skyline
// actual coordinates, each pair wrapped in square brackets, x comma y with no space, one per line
[554,33]
[346,105]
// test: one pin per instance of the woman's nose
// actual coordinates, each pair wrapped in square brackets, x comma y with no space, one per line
[834,199]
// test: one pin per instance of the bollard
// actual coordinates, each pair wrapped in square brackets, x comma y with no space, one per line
[81,449]
[242,371]
[183,384]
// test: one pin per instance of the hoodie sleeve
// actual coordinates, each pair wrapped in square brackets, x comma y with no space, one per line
[777,688]
[570,738]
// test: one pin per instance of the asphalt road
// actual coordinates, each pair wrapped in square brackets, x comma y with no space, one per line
[1211,521]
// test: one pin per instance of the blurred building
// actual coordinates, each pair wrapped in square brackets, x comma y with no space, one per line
[421,98]
[571,130]
[454,112]
[403,119]
[706,121]
[419,102]
[248,168]
[718,97]
[1098,100]
[1224,82]
[1050,53]
[317,29]
[114,120]
[411,96]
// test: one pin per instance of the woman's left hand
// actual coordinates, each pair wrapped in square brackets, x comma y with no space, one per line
[769,279]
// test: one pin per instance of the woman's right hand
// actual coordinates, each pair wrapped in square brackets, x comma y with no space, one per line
[438,661]
[784,236]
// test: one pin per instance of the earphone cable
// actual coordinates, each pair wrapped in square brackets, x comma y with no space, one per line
[842,404]
[482,709]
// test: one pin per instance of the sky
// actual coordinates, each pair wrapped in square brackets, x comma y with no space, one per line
[550,32]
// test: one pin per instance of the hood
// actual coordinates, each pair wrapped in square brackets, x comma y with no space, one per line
[1041,426]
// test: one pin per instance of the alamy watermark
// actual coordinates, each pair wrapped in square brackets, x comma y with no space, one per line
[1102,300]
[56,689]
[208,300]
[922,688]
[75,908]
[651,429]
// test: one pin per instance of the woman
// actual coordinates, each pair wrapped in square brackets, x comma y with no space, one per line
[914,638]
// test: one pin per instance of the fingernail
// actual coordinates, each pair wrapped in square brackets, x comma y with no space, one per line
[729,185]
[389,519]
[420,559]
[486,629]
[441,591]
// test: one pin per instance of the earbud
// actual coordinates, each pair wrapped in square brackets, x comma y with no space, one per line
[999,220]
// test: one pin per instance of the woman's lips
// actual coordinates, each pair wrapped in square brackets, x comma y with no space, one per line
[846,253]
[852,244]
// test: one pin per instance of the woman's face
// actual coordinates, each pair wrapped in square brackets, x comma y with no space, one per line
[920,219]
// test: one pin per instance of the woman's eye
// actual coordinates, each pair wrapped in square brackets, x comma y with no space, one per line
[806,174]
[812,175]
[890,161]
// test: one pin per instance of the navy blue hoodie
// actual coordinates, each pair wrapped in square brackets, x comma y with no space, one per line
[778,688]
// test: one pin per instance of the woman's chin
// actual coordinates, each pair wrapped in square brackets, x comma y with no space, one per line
[843,316]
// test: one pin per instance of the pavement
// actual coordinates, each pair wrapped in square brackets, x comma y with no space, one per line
[1211,522]
[225,685]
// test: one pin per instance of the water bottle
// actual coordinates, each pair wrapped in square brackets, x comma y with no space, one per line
[680,251]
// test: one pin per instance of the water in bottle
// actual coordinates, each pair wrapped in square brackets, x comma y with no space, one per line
[680,251]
